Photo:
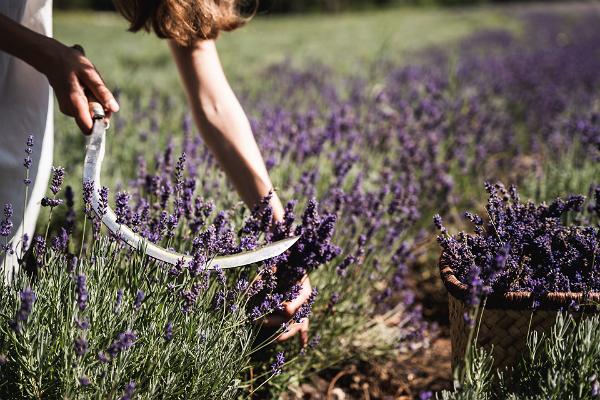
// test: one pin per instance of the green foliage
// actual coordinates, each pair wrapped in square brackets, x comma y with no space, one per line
[561,365]
[205,358]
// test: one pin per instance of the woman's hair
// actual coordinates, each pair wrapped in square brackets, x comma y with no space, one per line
[185,20]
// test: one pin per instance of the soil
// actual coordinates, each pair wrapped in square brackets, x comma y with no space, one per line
[405,378]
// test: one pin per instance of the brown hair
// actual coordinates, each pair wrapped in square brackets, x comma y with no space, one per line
[184,20]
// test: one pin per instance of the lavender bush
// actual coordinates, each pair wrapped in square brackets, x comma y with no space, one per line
[367,158]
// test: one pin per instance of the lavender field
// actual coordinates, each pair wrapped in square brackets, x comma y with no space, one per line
[364,154]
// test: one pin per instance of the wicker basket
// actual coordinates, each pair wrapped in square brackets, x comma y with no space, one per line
[506,319]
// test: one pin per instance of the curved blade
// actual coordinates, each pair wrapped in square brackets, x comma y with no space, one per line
[91,172]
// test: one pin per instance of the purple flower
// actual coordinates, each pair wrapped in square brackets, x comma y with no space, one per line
[118,301]
[103,201]
[27,300]
[84,381]
[139,298]
[81,291]
[129,391]
[190,297]
[123,342]
[6,225]
[39,249]
[276,367]
[73,263]
[88,192]
[103,357]
[169,331]
[58,177]
[82,324]
[426,395]
[81,346]
[61,241]
[122,207]
[524,247]
[306,308]
[27,161]
[50,202]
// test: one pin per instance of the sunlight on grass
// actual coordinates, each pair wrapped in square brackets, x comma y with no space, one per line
[345,42]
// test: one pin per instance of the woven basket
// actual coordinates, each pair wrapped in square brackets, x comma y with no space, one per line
[506,319]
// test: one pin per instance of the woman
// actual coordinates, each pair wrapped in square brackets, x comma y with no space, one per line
[33,65]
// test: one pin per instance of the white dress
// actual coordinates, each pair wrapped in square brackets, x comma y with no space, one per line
[26,108]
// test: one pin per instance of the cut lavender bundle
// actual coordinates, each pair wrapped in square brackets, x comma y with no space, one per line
[525,247]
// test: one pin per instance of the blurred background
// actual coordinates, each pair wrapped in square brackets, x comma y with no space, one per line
[291,6]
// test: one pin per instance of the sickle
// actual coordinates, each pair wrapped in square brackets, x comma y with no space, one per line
[91,173]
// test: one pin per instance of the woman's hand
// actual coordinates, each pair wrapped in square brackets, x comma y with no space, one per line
[70,73]
[286,315]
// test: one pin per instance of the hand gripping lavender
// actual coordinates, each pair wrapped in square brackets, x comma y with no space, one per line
[91,174]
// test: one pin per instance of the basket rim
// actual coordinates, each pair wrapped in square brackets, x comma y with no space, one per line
[521,300]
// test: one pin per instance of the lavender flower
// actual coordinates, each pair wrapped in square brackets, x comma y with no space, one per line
[122,207]
[39,249]
[82,324]
[139,298]
[190,297]
[426,395]
[27,161]
[118,301]
[169,331]
[28,298]
[314,341]
[306,308]
[123,342]
[88,192]
[129,391]
[6,225]
[103,201]
[50,202]
[73,263]
[58,176]
[103,357]
[81,346]
[524,247]
[81,291]
[276,367]
[84,381]
[61,241]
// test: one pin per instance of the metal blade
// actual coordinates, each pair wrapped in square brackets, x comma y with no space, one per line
[91,172]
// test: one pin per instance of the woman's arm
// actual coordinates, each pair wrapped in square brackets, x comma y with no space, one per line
[67,70]
[223,123]
[226,130]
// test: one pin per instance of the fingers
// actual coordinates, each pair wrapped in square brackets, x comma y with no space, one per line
[294,329]
[73,103]
[274,320]
[303,337]
[292,306]
[93,81]
[82,113]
